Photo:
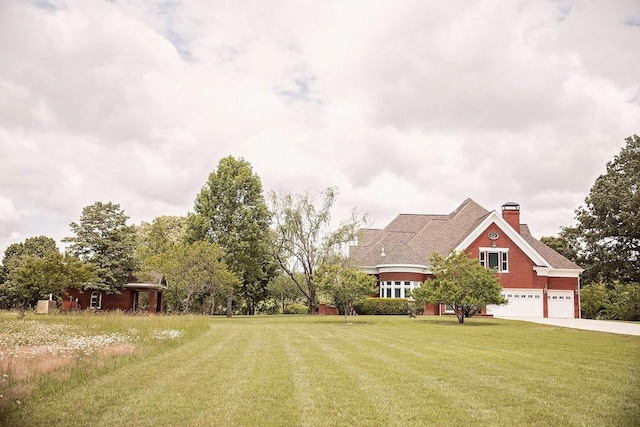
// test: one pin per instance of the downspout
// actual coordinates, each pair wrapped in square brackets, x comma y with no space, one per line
[579,302]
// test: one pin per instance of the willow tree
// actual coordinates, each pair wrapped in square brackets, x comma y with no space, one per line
[303,239]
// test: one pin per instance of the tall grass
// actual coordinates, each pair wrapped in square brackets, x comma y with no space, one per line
[302,370]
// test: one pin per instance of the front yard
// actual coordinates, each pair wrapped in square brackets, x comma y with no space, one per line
[302,370]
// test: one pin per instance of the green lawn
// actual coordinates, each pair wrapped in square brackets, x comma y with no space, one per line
[319,371]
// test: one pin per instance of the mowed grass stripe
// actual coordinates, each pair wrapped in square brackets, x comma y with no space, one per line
[170,387]
[329,391]
[388,371]
[517,385]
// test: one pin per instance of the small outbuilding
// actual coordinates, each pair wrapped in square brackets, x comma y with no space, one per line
[126,299]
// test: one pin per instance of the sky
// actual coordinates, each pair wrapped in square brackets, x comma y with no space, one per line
[404,106]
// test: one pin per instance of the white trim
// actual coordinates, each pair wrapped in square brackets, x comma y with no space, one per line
[489,249]
[402,268]
[558,272]
[503,225]
[369,270]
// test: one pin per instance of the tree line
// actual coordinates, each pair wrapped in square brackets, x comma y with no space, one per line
[233,254]
[242,252]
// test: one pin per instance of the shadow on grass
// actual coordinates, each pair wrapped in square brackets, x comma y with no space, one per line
[454,322]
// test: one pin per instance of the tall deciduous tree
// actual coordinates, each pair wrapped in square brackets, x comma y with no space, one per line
[562,246]
[607,234]
[303,238]
[160,235]
[347,285]
[33,246]
[196,269]
[230,211]
[462,283]
[104,239]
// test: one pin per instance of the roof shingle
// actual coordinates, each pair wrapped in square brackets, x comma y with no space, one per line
[413,238]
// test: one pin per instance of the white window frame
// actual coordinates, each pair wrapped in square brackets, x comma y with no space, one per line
[403,286]
[503,258]
[95,301]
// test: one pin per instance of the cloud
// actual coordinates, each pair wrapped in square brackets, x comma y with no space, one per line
[404,106]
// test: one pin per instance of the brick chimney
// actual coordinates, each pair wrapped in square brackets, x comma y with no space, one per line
[511,214]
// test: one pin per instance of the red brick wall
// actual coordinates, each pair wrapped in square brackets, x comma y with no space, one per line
[513,219]
[521,273]
[123,301]
[401,277]
[563,283]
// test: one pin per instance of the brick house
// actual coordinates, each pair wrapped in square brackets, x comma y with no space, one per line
[127,299]
[537,281]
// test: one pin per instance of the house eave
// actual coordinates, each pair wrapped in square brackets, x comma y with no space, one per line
[397,268]
[557,272]
[515,237]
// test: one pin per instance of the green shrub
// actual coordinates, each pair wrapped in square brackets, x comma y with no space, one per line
[296,309]
[594,301]
[615,301]
[382,306]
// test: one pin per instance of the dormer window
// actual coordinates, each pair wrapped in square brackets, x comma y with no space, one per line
[495,258]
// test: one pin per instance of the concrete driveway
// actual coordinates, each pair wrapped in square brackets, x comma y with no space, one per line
[587,324]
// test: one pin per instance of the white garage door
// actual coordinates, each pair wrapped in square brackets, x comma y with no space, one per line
[560,304]
[522,303]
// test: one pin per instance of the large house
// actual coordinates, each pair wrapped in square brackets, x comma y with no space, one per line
[536,280]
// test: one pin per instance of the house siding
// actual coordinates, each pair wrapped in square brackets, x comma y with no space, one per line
[520,273]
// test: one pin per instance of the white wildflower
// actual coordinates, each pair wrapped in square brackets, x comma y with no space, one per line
[163,334]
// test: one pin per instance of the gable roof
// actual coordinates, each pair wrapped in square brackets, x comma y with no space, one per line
[555,259]
[411,239]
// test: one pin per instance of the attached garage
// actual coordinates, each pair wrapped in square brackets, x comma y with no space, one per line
[560,304]
[522,303]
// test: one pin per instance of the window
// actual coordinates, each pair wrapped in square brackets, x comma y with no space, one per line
[495,258]
[96,300]
[397,289]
